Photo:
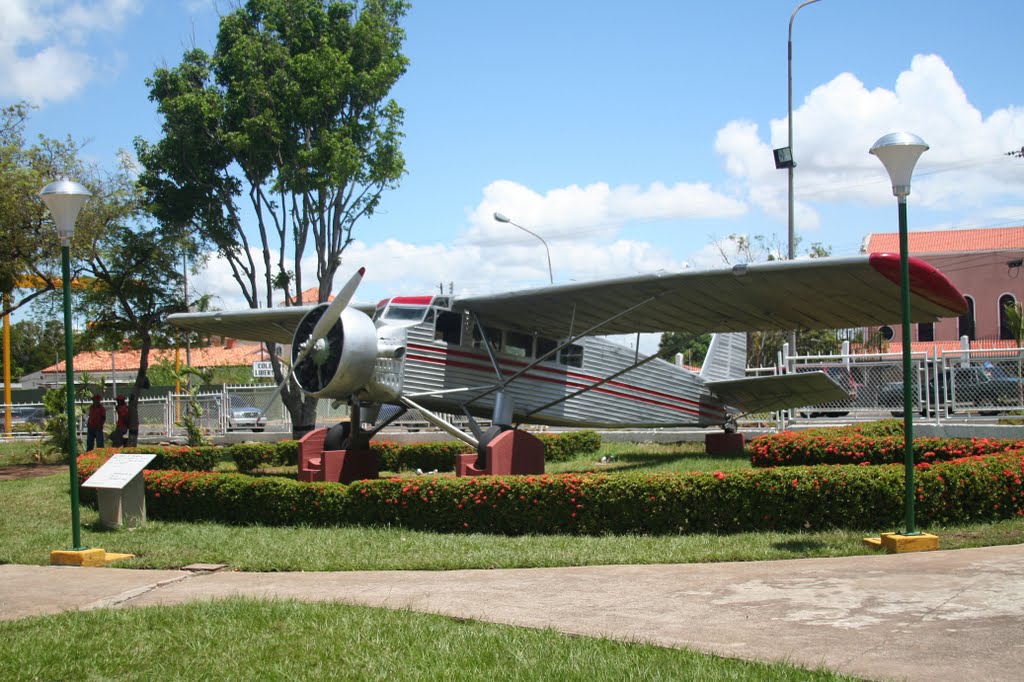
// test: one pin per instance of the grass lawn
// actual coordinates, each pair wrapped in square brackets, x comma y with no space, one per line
[284,640]
[246,639]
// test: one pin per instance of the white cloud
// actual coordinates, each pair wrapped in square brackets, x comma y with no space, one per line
[44,50]
[839,121]
[568,212]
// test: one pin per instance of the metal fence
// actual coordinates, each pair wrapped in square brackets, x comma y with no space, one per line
[232,409]
[957,384]
[960,385]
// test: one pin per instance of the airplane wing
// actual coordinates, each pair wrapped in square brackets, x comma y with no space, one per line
[261,324]
[767,394]
[820,293]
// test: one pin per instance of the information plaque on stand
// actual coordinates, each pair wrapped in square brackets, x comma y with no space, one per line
[121,490]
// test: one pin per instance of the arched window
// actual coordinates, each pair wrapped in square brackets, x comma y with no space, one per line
[966,321]
[1005,330]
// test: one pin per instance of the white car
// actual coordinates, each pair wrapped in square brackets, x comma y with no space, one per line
[242,416]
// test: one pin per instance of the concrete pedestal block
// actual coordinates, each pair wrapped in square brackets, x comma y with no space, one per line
[512,452]
[345,466]
[724,443]
[123,506]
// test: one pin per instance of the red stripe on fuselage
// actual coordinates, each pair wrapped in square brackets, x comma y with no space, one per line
[569,379]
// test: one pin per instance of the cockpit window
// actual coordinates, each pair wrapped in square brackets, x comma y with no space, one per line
[405,313]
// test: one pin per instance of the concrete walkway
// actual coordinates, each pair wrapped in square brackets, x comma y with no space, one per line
[930,616]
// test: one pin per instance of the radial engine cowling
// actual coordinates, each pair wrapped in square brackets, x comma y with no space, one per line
[342,362]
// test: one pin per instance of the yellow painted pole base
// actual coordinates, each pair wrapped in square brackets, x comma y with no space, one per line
[897,543]
[85,557]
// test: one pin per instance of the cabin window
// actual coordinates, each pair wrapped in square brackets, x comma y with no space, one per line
[448,327]
[545,346]
[405,313]
[571,355]
[518,344]
[493,337]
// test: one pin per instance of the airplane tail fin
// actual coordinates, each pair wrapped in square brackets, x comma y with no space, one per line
[726,358]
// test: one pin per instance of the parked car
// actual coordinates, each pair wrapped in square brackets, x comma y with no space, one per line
[242,416]
[984,385]
[32,416]
[841,375]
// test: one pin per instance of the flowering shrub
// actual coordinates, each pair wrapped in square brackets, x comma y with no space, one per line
[180,458]
[977,488]
[852,446]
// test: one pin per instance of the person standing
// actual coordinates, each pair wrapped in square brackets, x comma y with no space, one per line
[121,427]
[94,426]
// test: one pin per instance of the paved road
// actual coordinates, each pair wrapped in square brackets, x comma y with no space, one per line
[930,616]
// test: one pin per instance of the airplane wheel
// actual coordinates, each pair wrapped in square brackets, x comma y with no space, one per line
[337,436]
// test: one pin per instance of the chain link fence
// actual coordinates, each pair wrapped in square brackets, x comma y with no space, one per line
[961,384]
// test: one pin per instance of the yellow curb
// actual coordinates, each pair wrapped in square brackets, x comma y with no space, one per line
[85,557]
[897,543]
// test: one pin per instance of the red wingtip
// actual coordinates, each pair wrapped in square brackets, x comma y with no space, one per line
[362,271]
[925,281]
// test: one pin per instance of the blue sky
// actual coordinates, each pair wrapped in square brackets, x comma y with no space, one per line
[631,136]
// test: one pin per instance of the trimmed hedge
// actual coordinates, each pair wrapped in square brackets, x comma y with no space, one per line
[848,446]
[179,458]
[783,498]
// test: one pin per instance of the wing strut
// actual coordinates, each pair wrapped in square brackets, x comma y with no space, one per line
[487,346]
[567,342]
[441,423]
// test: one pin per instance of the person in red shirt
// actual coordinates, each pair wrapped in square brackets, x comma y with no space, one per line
[121,427]
[94,427]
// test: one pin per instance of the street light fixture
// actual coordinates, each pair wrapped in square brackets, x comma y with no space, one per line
[502,218]
[899,153]
[65,199]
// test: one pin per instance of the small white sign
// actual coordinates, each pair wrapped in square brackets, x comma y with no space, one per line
[118,471]
[262,369]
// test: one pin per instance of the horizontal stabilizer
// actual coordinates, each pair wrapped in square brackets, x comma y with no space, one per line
[770,393]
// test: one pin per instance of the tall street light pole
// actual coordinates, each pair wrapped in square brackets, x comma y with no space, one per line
[787,161]
[502,218]
[899,153]
[65,199]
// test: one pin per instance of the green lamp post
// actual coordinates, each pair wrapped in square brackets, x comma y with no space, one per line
[65,199]
[899,153]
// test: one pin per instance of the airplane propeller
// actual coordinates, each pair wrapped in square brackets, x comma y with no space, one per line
[320,330]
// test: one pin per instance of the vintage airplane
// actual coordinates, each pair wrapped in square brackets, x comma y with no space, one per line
[538,356]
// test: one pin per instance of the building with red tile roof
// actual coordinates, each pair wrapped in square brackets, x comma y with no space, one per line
[985,264]
[124,364]
[936,242]
[312,295]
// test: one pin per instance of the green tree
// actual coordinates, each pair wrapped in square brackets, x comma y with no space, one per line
[290,114]
[693,346]
[134,266]
[35,345]
[31,263]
